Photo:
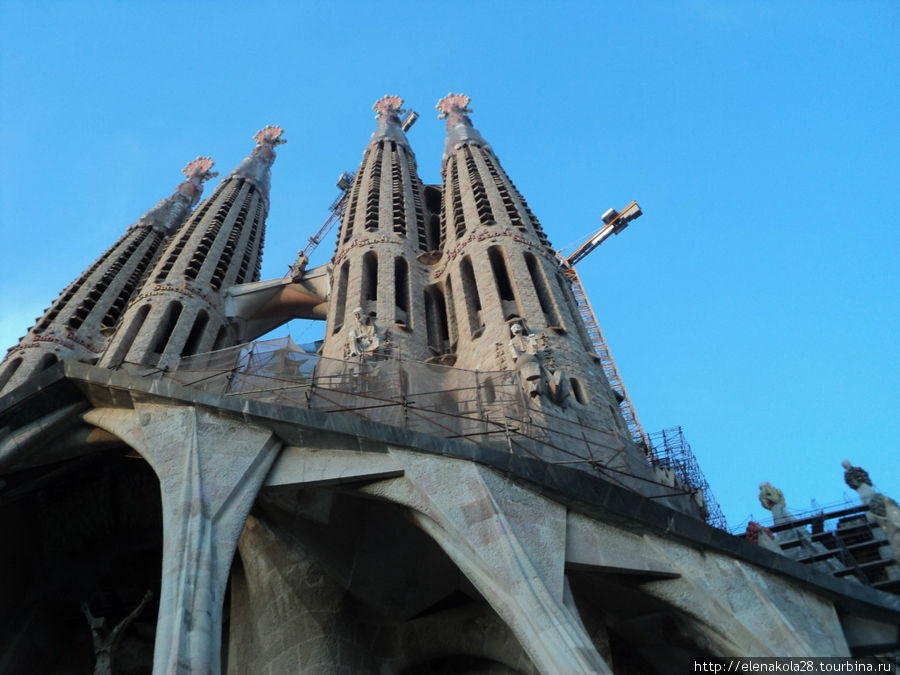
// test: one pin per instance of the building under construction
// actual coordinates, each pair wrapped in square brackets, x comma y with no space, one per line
[452,480]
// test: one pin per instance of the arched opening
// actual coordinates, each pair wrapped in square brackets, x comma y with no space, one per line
[545,299]
[128,337]
[508,303]
[340,304]
[438,329]
[471,297]
[369,284]
[196,334]
[10,371]
[46,361]
[167,327]
[401,292]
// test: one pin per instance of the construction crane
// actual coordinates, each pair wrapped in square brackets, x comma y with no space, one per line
[344,182]
[337,212]
[613,223]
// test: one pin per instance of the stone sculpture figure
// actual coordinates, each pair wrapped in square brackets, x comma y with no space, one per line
[299,267]
[524,350]
[105,645]
[883,510]
[364,337]
[772,499]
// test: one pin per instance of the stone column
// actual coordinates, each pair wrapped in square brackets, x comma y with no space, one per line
[210,470]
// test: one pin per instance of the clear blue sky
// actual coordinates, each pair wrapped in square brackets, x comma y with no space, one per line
[755,303]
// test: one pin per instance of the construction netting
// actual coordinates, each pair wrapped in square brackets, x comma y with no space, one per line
[489,408]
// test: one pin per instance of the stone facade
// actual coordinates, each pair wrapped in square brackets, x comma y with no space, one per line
[156,515]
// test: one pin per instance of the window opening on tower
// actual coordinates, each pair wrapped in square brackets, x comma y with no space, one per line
[369,284]
[167,327]
[131,333]
[430,237]
[508,302]
[374,193]
[401,292]
[436,323]
[340,304]
[196,334]
[545,298]
[471,297]
[46,361]
[10,371]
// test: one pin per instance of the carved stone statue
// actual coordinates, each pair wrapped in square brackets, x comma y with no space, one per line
[883,510]
[364,339]
[105,645]
[770,497]
[773,499]
[524,350]
[299,267]
[555,381]
[539,373]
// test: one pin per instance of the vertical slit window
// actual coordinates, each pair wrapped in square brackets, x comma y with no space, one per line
[221,338]
[167,327]
[451,314]
[548,307]
[472,299]
[369,284]
[46,361]
[438,329]
[196,334]
[508,303]
[401,292]
[10,371]
[340,304]
[129,336]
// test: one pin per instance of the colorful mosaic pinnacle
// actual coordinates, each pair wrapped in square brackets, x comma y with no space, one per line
[453,104]
[388,106]
[198,170]
[270,135]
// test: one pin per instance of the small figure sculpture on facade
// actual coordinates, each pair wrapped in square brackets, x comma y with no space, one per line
[299,267]
[770,497]
[555,380]
[105,645]
[364,339]
[883,510]
[523,348]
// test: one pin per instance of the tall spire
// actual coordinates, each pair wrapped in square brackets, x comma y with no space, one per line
[455,108]
[257,167]
[168,214]
[180,308]
[75,326]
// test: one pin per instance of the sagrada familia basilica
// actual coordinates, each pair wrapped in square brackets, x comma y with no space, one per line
[453,480]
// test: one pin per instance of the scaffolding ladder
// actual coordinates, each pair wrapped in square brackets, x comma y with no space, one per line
[606,360]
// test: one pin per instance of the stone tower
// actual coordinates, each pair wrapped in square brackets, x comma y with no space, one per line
[373,310]
[180,310]
[78,324]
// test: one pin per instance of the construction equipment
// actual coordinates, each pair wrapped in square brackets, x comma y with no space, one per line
[613,223]
[344,181]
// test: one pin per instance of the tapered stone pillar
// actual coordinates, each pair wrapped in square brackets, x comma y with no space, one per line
[210,470]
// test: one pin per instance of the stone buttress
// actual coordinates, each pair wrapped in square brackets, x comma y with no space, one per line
[76,326]
[180,309]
